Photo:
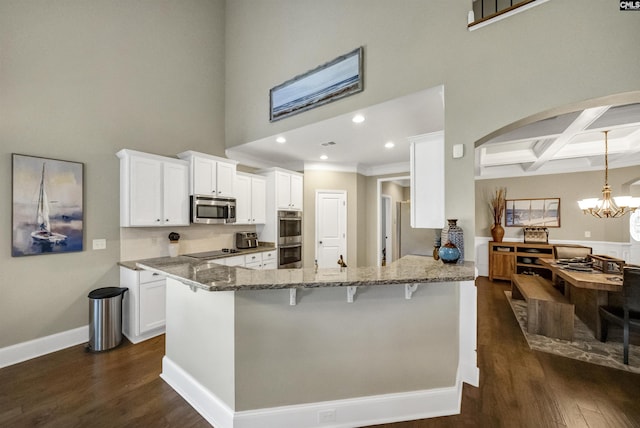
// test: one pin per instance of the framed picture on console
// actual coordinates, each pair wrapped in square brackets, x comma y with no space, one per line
[532,212]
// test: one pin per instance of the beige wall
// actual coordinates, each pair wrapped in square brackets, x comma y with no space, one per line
[80,80]
[553,55]
[569,188]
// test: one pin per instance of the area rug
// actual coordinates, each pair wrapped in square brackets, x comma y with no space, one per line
[584,346]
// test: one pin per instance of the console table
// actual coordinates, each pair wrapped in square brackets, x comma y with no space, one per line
[508,258]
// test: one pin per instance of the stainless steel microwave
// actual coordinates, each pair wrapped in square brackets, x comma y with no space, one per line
[208,209]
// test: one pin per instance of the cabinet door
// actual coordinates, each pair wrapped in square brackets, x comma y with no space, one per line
[145,179]
[152,305]
[296,192]
[242,190]
[502,265]
[204,176]
[225,175]
[283,190]
[270,264]
[258,201]
[176,194]
[234,261]
[427,181]
[253,261]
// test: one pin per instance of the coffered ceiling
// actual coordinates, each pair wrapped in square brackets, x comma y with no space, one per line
[567,143]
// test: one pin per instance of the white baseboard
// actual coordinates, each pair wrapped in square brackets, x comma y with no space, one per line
[361,411]
[144,336]
[44,345]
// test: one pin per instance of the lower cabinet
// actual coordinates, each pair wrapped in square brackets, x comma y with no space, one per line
[259,260]
[144,310]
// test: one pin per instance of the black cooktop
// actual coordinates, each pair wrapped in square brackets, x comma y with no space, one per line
[213,254]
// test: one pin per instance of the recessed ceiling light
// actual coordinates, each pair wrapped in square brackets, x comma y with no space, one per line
[389,144]
[281,140]
[324,157]
[358,118]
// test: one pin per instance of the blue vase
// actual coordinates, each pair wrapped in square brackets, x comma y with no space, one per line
[455,235]
[449,253]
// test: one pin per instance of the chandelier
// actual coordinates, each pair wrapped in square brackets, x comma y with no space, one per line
[608,207]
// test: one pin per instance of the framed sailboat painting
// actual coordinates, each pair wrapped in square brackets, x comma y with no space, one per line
[48,206]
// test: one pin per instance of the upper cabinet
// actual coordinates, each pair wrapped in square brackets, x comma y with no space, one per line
[210,175]
[250,193]
[153,190]
[288,190]
[427,181]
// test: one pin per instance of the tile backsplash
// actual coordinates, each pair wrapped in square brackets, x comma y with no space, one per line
[147,242]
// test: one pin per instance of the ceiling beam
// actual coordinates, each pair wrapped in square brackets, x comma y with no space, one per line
[582,122]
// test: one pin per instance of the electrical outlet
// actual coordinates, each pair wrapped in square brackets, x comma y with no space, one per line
[326,416]
[99,244]
[587,234]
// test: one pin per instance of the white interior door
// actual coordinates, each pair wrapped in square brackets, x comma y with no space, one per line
[331,222]
[387,229]
[634,229]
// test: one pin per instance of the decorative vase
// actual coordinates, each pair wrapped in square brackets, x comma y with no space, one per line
[455,235]
[497,232]
[449,253]
[436,250]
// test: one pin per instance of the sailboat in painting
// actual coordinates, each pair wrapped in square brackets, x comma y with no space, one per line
[44,233]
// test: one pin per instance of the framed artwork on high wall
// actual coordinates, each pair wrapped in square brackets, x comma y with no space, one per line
[47,206]
[329,82]
[544,212]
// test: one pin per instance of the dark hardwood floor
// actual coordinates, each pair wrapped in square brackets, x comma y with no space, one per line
[518,387]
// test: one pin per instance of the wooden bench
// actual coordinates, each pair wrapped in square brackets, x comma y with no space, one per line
[548,312]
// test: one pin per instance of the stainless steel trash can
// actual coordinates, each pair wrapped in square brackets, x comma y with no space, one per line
[105,318]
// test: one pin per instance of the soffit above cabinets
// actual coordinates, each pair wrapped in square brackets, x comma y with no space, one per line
[356,146]
[568,143]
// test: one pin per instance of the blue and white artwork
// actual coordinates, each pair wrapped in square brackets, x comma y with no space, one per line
[532,212]
[48,213]
[329,82]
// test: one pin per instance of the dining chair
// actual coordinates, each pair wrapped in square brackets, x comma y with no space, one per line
[627,316]
[567,252]
[570,251]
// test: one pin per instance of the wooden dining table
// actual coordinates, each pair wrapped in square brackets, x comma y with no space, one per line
[587,291]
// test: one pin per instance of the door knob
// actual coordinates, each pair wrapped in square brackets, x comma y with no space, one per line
[320,242]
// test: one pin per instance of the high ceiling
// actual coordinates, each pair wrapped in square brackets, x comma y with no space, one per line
[566,143]
[357,146]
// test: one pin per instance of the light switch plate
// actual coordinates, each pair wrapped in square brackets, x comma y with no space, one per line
[99,244]
[458,151]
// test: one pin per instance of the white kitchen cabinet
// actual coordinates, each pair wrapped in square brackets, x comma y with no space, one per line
[253,261]
[233,261]
[257,260]
[270,259]
[153,190]
[288,190]
[144,304]
[250,193]
[427,181]
[210,175]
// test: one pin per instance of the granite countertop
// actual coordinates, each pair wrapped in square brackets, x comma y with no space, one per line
[133,264]
[211,276]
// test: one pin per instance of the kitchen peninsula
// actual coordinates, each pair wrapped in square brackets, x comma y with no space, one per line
[328,347]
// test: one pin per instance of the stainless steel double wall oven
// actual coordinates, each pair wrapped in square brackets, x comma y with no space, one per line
[289,239]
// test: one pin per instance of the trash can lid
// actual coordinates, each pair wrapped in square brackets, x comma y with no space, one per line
[106,292]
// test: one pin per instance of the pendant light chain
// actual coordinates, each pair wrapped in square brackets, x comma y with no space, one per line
[606,158]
